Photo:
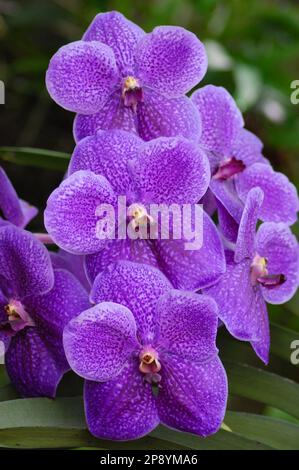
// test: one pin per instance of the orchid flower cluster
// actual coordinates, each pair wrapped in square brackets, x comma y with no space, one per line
[138,318]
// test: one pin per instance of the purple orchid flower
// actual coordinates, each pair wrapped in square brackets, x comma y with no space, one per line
[119,77]
[75,264]
[142,334]
[13,209]
[263,268]
[238,165]
[164,170]
[35,305]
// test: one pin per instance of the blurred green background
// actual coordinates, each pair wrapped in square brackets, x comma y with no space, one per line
[253,48]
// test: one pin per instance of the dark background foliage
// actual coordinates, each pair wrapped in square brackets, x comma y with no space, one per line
[253,48]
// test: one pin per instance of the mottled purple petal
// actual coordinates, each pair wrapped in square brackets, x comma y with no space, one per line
[9,202]
[162,117]
[221,119]
[280,195]
[114,30]
[226,193]
[261,345]
[100,340]
[29,212]
[81,76]
[171,170]
[209,202]
[123,408]
[240,304]
[246,233]
[33,368]
[138,287]
[227,224]
[188,325]
[107,153]
[193,396]
[70,216]
[171,60]
[138,251]
[113,115]
[53,310]
[24,263]
[192,269]
[248,148]
[75,264]
[279,246]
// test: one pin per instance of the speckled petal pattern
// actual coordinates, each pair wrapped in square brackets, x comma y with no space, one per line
[159,116]
[10,205]
[171,60]
[280,247]
[281,202]
[119,33]
[25,263]
[171,170]
[81,76]
[70,216]
[188,325]
[100,340]
[221,119]
[138,287]
[112,115]
[193,396]
[123,408]
[107,153]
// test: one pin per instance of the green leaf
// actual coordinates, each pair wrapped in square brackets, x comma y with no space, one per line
[263,386]
[60,423]
[40,158]
[273,432]
[222,440]
[281,339]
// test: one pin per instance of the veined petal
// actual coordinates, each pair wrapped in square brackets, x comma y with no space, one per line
[138,251]
[226,193]
[227,224]
[192,269]
[75,264]
[123,408]
[136,286]
[99,341]
[70,216]
[81,76]
[248,148]
[193,396]
[9,202]
[244,315]
[281,202]
[171,60]
[119,33]
[188,325]
[221,119]
[107,153]
[246,233]
[279,246]
[159,116]
[112,115]
[25,263]
[32,367]
[171,170]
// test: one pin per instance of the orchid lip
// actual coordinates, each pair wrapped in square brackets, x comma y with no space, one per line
[17,317]
[150,365]
[271,281]
[132,93]
[228,169]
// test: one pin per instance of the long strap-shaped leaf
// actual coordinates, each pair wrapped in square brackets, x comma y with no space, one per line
[273,432]
[40,158]
[263,386]
[40,422]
